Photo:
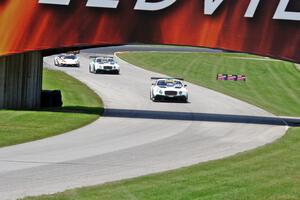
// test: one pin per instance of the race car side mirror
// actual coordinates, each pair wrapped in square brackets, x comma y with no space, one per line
[152,84]
[185,85]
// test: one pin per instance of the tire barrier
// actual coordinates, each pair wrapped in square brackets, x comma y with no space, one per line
[51,99]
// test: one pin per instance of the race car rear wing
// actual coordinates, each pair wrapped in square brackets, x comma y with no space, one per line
[155,78]
[105,57]
[73,52]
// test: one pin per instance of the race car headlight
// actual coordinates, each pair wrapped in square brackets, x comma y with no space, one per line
[180,92]
[160,91]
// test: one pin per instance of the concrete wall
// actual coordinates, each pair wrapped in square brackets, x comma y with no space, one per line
[21,81]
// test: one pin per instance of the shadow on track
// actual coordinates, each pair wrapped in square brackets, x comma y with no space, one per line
[186,116]
[68,109]
[169,115]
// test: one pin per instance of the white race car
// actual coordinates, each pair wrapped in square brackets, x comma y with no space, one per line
[67,60]
[104,64]
[168,88]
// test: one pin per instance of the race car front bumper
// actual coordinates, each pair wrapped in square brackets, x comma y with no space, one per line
[108,71]
[69,65]
[169,98]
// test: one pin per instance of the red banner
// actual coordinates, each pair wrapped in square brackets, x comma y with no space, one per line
[270,28]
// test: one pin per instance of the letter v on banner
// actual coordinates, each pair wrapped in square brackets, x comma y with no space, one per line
[252,8]
[210,6]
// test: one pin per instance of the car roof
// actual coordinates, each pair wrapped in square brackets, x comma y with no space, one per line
[105,57]
[70,55]
[64,55]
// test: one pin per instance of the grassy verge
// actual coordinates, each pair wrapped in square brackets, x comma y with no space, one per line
[271,172]
[271,85]
[81,107]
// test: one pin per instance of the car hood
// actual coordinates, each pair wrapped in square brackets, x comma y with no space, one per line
[69,60]
[107,64]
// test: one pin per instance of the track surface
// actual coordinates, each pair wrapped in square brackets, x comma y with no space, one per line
[135,137]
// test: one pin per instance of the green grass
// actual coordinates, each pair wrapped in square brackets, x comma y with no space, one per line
[81,107]
[270,172]
[271,85]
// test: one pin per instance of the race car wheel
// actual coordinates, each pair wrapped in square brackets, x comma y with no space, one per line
[185,100]
[56,63]
[154,99]
[91,70]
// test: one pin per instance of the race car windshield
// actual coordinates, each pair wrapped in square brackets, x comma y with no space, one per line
[99,61]
[104,60]
[70,57]
[109,60]
[164,83]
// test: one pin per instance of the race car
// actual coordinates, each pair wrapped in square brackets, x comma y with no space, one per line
[67,60]
[167,89]
[104,64]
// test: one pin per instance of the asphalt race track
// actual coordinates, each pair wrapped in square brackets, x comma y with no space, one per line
[136,136]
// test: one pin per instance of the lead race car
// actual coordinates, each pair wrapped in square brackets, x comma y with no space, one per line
[104,64]
[67,60]
[168,88]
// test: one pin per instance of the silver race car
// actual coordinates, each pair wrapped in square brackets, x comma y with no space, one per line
[167,89]
[67,60]
[104,64]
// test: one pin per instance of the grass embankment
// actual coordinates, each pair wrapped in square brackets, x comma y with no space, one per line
[269,172]
[81,107]
[272,85]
